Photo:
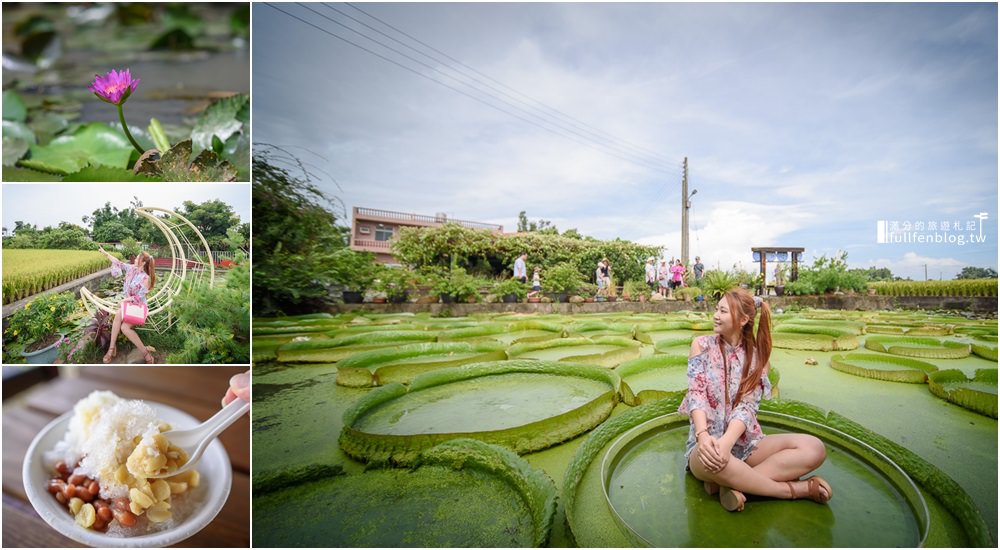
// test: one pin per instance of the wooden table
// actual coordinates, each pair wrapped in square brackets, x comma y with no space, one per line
[195,390]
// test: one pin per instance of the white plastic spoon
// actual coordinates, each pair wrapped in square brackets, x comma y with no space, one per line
[195,440]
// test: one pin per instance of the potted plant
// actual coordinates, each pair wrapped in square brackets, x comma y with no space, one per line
[510,290]
[635,291]
[455,285]
[587,290]
[356,271]
[395,283]
[34,332]
[561,280]
[688,293]
[780,275]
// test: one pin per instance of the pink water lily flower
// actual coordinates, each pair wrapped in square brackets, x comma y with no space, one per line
[114,87]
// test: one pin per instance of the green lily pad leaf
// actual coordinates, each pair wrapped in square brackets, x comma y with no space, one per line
[93,143]
[222,118]
[175,166]
[13,149]
[48,125]
[179,16]
[21,130]
[13,107]
[237,152]
[17,138]
[16,173]
[106,173]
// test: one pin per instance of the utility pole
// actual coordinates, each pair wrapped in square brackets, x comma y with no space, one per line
[925,272]
[685,206]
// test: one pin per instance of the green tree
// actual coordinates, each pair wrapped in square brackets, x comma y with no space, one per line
[112,231]
[296,241]
[66,236]
[108,214]
[212,218]
[969,272]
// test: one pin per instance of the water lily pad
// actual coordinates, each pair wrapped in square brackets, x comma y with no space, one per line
[523,405]
[106,173]
[918,347]
[13,107]
[813,341]
[17,138]
[223,118]
[658,504]
[462,493]
[93,143]
[977,394]
[883,367]
[47,125]
[16,173]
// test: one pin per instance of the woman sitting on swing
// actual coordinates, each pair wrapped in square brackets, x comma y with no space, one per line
[140,276]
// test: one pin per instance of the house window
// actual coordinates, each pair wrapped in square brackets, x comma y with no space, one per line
[383,233]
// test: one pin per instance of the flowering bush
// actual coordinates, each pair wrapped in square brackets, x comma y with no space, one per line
[40,318]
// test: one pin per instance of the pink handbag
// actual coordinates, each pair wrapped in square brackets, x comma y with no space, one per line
[132,313]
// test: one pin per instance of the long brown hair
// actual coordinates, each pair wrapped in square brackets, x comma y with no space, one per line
[756,346]
[147,264]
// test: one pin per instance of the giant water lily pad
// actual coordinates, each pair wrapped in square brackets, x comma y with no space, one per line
[931,348]
[524,405]
[976,394]
[813,341]
[627,487]
[883,367]
[461,493]
[403,363]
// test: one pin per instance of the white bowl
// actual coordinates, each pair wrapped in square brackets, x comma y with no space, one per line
[216,477]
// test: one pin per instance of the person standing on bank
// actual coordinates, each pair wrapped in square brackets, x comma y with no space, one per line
[140,276]
[651,274]
[520,268]
[726,449]
[699,271]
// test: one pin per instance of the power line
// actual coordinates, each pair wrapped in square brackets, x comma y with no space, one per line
[655,163]
[542,126]
[597,132]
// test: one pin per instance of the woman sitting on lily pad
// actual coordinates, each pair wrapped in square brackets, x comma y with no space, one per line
[726,449]
[140,276]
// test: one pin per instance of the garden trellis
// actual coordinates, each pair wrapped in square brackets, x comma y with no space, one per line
[190,265]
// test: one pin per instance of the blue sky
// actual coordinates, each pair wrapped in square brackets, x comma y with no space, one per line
[804,124]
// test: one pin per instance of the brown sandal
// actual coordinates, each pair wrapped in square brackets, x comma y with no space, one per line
[814,483]
[112,352]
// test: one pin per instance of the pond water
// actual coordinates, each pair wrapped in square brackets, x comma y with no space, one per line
[90,39]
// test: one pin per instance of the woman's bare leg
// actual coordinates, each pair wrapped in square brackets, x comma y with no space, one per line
[776,460]
[787,457]
[115,329]
[133,337]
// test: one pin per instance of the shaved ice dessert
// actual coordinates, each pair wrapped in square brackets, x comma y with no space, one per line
[116,448]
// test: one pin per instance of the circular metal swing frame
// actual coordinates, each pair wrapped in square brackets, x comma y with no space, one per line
[189,263]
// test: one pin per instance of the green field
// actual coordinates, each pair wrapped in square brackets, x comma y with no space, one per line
[27,271]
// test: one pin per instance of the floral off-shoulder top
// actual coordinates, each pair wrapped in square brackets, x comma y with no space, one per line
[706,391]
[135,280]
